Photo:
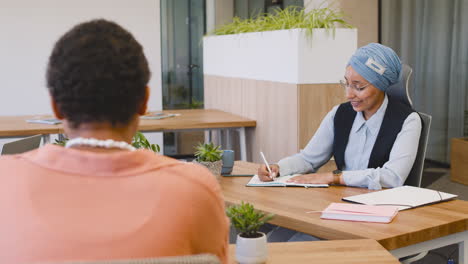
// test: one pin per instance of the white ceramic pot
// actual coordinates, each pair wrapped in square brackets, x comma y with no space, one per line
[251,250]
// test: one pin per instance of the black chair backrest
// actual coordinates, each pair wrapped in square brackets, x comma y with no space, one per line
[400,90]
[22,145]
[415,176]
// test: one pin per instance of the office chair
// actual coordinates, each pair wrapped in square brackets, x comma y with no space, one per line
[189,259]
[415,175]
[401,91]
[21,145]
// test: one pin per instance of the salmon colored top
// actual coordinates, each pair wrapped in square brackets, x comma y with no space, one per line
[59,204]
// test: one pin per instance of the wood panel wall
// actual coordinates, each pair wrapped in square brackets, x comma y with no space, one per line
[315,101]
[287,114]
[362,14]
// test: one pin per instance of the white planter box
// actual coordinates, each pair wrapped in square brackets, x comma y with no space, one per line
[287,56]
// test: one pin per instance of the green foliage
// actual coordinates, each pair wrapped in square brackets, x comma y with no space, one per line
[196,104]
[61,142]
[139,141]
[208,152]
[246,219]
[288,18]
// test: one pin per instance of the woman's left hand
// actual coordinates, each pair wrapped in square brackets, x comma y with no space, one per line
[313,178]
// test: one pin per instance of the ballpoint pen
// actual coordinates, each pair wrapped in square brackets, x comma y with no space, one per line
[268,166]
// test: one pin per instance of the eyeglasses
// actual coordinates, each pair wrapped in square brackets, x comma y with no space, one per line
[345,85]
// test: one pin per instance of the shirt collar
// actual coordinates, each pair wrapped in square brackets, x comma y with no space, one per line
[82,162]
[373,123]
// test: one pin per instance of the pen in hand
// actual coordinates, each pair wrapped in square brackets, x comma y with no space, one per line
[267,165]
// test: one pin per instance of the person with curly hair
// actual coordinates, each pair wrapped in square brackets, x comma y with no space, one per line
[98,198]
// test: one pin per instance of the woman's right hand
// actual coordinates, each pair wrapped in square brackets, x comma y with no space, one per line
[264,175]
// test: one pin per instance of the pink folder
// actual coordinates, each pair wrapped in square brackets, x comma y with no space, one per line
[360,212]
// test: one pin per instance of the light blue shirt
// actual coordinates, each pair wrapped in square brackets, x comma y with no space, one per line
[362,137]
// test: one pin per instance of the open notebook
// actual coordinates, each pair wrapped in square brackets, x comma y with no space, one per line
[280,182]
[404,197]
[156,116]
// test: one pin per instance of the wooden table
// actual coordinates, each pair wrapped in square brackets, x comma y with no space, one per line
[16,126]
[331,252]
[412,231]
[191,119]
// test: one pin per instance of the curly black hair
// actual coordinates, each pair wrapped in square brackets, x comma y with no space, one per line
[97,72]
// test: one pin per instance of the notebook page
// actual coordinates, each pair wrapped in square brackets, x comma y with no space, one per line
[405,197]
[255,181]
[48,121]
[281,181]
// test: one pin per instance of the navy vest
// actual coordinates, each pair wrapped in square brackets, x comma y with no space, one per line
[393,120]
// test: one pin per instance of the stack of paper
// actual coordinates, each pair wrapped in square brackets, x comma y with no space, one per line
[359,212]
[48,121]
[156,116]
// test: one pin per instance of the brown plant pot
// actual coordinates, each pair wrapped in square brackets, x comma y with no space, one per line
[213,167]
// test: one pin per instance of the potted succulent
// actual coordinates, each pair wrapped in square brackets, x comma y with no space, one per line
[139,141]
[210,156]
[251,245]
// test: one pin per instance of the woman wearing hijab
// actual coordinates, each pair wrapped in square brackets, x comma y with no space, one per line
[373,137]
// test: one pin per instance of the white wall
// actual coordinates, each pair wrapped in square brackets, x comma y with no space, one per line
[29,29]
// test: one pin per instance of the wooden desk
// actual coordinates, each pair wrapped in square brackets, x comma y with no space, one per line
[16,126]
[411,231]
[330,252]
[191,119]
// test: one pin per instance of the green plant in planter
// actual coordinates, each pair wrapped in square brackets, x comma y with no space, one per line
[208,152]
[139,141]
[61,142]
[288,18]
[247,220]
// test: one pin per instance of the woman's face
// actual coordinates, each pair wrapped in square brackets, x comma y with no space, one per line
[364,97]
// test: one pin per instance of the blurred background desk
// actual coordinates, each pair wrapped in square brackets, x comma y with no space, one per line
[16,126]
[204,119]
[191,119]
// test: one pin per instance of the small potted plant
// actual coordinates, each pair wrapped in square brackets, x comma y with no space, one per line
[210,156]
[251,245]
